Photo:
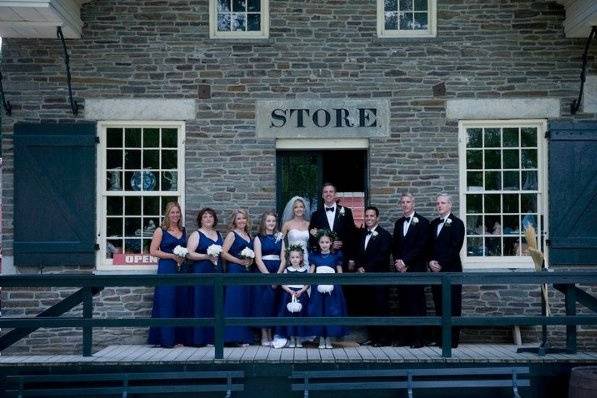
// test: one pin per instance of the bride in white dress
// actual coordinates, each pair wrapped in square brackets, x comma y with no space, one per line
[295,223]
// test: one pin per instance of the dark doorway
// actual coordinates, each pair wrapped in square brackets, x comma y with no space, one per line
[302,172]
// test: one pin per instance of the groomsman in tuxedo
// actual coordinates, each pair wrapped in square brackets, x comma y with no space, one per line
[373,255]
[446,239]
[411,232]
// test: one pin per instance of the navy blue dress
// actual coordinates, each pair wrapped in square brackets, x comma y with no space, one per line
[166,298]
[327,304]
[202,296]
[237,299]
[293,330]
[265,297]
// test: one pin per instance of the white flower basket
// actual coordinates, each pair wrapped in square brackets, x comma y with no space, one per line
[294,305]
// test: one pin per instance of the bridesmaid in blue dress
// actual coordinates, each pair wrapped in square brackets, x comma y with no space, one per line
[269,246]
[296,266]
[202,296]
[327,304]
[237,298]
[165,298]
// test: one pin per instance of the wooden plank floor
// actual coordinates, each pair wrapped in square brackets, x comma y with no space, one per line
[143,354]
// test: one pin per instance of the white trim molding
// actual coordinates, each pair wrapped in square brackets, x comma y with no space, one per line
[341,143]
[40,18]
[499,108]
[104,264]
[504,261]
[140,109]
[431,30]
[263,33]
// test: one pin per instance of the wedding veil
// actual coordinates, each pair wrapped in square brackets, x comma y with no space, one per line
[288,213]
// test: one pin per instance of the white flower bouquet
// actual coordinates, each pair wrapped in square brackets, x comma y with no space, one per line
[180,251]
[214,251]
[247,253]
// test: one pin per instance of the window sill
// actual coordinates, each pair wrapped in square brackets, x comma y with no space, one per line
[124,270]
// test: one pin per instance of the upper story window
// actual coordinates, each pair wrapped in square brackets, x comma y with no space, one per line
[247,19]
[503,172]
[140,169]
[406,18]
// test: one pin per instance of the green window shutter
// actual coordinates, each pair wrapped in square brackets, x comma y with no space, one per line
[54,195]
[572,193]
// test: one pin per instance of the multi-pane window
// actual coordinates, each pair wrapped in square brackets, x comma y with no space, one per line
[406,18]
[139,166]
[239,18]
[502,188]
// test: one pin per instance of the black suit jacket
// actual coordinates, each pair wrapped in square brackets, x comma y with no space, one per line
[445,247]
[411,248]
[376,258]
[343,226]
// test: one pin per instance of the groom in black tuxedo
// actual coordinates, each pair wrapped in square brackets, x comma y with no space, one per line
[446,239]
[373,255]
[335,218]
[340,220]
[411,232]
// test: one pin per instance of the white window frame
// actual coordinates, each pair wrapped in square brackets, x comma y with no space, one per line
[215,34]
[431,23]
[103,264]
[506,262]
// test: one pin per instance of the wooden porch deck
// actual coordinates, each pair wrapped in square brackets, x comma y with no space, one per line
[145,354]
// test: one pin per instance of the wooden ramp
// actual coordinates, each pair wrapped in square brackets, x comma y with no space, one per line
[145,354]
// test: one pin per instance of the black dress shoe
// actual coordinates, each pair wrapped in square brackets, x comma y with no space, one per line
[454,345]
[418,344]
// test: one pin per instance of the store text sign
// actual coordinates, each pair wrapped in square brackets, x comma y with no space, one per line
[334,118]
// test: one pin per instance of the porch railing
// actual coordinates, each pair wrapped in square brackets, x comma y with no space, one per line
[91,285]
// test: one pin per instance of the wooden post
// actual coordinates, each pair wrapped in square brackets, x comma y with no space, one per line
[219,318]
[446,317]
[571,311]
[87,314]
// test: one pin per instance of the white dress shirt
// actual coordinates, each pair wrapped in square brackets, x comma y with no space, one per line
[331,215]
[441,224]
[407,223]
[368,237]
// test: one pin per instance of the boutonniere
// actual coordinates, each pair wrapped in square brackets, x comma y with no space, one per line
[374,234]
[279,236]
[342,211]
[448,222]
[415,220]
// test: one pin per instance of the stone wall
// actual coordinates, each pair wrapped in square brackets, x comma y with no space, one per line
[316,49]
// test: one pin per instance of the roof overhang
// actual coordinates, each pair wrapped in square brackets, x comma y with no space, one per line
[581,16]
[40,18]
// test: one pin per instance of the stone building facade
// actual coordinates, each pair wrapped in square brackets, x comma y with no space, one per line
[155,65]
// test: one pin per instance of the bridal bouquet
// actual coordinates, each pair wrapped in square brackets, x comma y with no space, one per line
[247,253]
[214,251]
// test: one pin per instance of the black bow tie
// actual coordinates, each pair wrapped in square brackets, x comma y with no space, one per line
[442,220]
[369,232]
[329,209]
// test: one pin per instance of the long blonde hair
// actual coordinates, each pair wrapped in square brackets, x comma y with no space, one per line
[166,220]
[235,212]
